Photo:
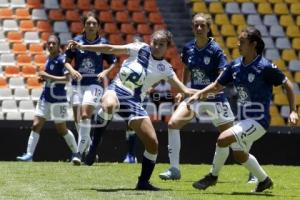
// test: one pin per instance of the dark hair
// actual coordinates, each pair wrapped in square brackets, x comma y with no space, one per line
[254,35]
[208,20]
[90,14]
[165,34]
[56,36]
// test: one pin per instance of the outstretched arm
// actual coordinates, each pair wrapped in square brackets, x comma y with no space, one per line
[293,117]
[103,48]
[175,82]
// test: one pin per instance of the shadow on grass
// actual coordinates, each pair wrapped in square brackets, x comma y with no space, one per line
[124,189]
[265,194]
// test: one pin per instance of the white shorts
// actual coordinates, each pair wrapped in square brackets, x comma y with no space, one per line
[58,112]
[246,132]
[86,95]
[218,113]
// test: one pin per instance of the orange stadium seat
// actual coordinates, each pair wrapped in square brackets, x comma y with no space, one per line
[83,5]
[159,26]
[72,15]
[43,26]
[19,48]
[56,15]
[199,7]
[147,38]
[144,29]
[22,13]
[11,71]
[101,5]
[106,16]
[76,27]
[3,82]
[150,6]
[216,7]
[177,63]
[33,82]
[67,4]
[40,60]
[36,48]
[134,5]
[122,17]
[155,18]
[129,38]
[115,39]
[27,25]
[139,17]
[14,36]
[23,59]
[6,13]
[117,5]
[29,71]
[111,28]
[128,29]
[45,36]
[34,3]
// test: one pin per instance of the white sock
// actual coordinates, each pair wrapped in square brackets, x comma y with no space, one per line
[221,154]
[32,142]
[71,142]
[174,147]
[83,135]
[150,156]
[253,166]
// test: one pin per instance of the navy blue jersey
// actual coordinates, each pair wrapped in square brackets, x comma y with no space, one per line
[204,64]
[254,83]
[89,64]
[54,92]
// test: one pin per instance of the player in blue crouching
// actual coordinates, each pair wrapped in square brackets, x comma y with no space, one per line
[53,101]
[254,77]
[125,95]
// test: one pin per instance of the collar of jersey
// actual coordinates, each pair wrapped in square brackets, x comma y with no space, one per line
[207,44]
[253,61]
[90,42]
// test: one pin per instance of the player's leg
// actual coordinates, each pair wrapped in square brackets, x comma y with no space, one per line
[68,136]
[109,105]
[131,142]
[180,117]
[145,131]
[38,123]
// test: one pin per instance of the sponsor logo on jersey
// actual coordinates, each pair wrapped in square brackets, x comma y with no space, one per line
[206,60]
[51,66]
[251,77]
[161,67]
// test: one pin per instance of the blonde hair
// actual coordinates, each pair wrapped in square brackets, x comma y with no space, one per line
[163,34]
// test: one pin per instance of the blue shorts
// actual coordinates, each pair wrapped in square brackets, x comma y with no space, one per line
[131,107]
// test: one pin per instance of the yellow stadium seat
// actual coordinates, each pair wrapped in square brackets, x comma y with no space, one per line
[295,8]
[274,110]
[277,121]
[291,1]
[280,64]
[227,53]
[241,1]
[286,20]
[216,7]
[296,43]
[275,1]
[264,8]
[293,31]
[297,99]
[277,90]
[238,20]
[214,29]
[240,28]
[260,1]
[298,21]
[221,19]
[199,7]
[297,77]
[288,54]
[228,30]
[226,1]
[280,99]
[235,53]
[220,41]
[288,75]
[281,9]
[231,42]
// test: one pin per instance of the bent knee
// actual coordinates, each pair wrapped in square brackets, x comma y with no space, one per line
[174,124]
[152,146]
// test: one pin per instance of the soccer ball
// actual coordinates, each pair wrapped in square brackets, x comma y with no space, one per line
[132,75]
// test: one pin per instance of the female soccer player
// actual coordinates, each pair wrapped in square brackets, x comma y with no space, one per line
[253,76]
[204,61]
[128,103]
[53,101]
[88,75]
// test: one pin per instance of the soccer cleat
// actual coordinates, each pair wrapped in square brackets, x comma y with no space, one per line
[208,180]
[130,159]
[145,185]
[76,159]
[266,184]
[26,157]
[171,174]
[252,179]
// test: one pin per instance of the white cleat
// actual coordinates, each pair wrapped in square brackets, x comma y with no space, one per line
[171,174]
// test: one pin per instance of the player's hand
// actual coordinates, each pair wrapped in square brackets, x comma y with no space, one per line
[75,75]
[193,99]
[102,76]
[73,45]
[42,75]
[179,97]
[293,118]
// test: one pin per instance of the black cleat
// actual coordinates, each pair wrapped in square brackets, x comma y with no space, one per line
[266,184]
[208,180]
[145,185]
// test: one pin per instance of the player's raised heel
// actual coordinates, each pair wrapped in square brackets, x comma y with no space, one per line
[171,174]
[264,185]
[26,157]
[207,181]
[76,159]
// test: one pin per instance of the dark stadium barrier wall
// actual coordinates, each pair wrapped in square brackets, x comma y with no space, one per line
[279,146]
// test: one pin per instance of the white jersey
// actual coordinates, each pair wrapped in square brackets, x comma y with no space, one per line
[156,70]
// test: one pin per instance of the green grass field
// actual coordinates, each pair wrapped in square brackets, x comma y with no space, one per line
[61,181]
